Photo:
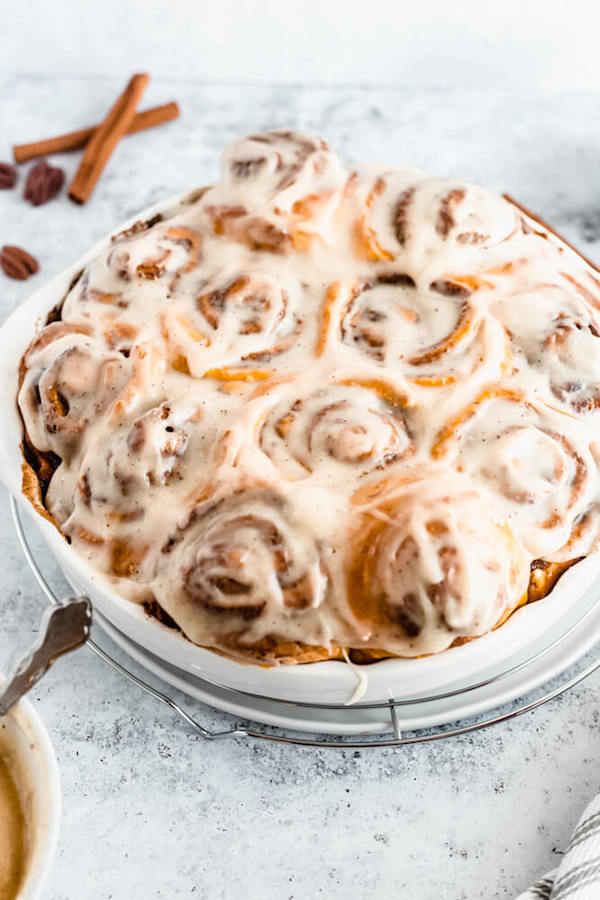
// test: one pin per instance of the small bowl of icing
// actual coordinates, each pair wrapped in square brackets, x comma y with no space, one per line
[29,804]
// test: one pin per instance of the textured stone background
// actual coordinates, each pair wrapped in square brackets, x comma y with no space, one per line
[150,810]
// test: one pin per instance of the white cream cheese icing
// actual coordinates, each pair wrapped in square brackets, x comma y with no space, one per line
[326,406]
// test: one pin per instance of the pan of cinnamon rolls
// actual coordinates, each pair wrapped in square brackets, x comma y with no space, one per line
[320,412]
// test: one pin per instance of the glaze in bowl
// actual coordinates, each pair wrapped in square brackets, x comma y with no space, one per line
[26,748]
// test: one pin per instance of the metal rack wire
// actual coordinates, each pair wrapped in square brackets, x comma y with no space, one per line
[392,737]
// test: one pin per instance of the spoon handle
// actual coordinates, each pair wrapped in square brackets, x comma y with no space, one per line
[63,628]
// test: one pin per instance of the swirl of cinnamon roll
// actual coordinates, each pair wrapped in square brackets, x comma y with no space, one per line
[422,219]
[267,165]
[84,301]
[335,433]
[559,338]
[241,568]
[116,478]
[101,311]
[433,562]
[278,191]
[245,318]
[379,311]
[169,251]
[434,338]
[70,379]
[160,253]
[536,461]
[430,218]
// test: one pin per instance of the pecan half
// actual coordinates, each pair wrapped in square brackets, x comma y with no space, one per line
[8,176]
[43,183]
[17,263]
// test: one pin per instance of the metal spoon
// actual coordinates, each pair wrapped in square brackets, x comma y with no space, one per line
[63,628]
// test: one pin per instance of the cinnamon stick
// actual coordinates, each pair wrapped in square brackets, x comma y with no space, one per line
[75,140]
[105,139]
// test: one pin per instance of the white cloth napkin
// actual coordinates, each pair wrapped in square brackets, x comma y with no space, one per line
[578,876]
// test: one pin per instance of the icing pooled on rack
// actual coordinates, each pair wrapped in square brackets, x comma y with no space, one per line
[317,408]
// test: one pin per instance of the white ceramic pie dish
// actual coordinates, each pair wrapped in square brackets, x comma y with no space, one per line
[25,743]
[324,682]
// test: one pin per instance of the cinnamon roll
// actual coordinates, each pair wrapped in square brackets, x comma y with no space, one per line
[175,250]
[148,454]
[335,433]
[156,252]
[434,338]
[536,461]
[432,221]
[248,578]
[559,339]
[67,381]
[236,319]
[315,412]
[431,562]
[279,191]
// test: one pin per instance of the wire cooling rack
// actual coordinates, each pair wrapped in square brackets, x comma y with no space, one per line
[390,736]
